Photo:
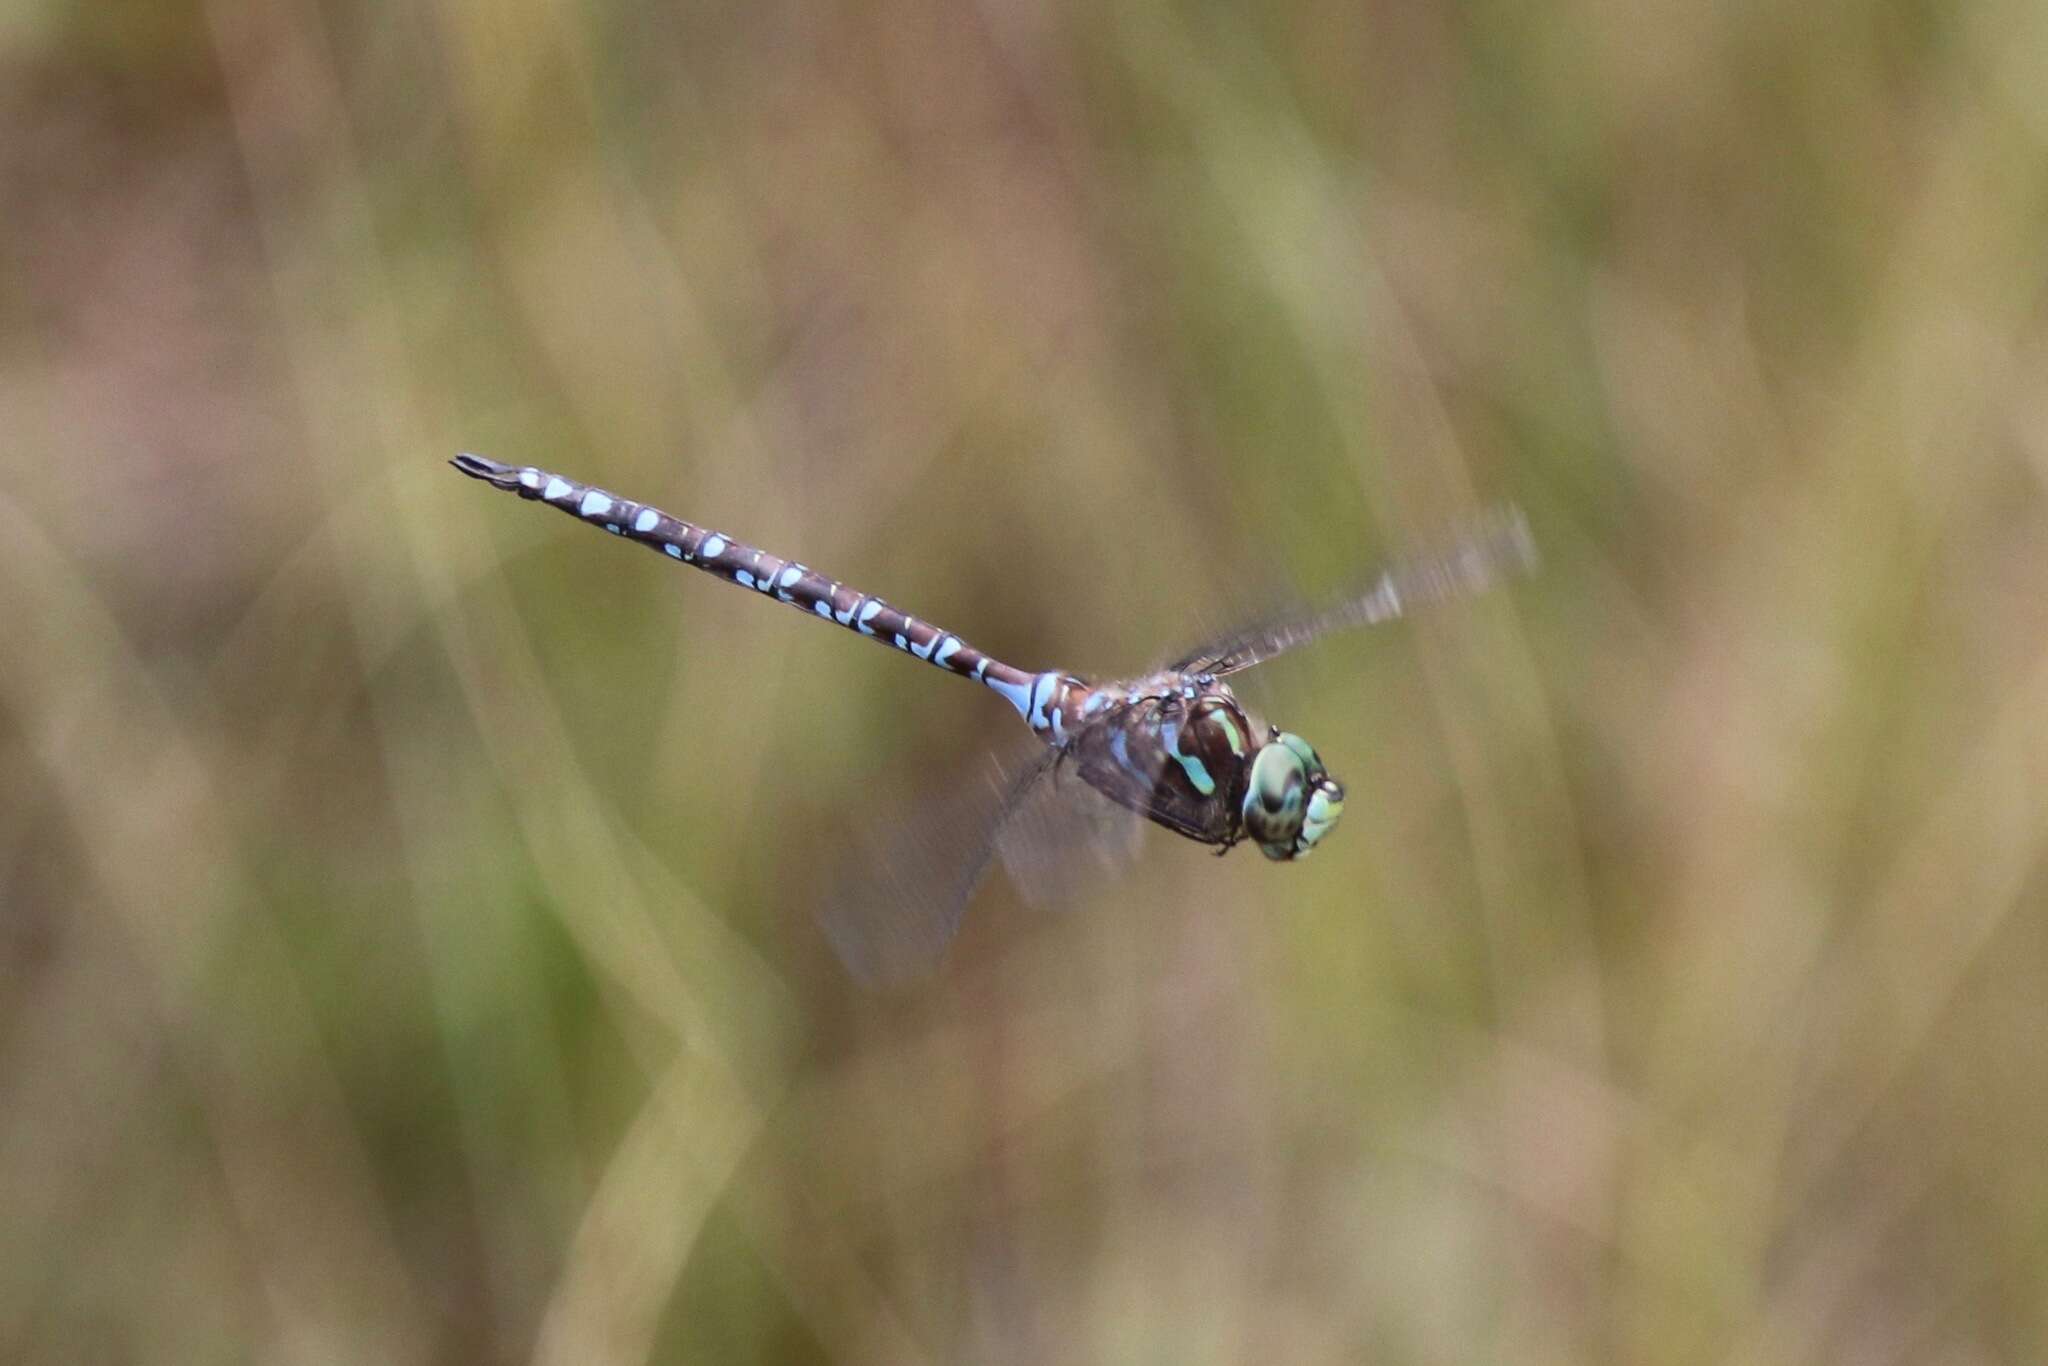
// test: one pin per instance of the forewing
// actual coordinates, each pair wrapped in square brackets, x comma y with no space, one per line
[1496,547]
[894,911]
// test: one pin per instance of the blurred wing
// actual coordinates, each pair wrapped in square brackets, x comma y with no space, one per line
[892,914]
[1496,547]
[1062,837]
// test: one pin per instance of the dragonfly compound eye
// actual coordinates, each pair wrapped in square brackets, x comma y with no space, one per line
[1291,801]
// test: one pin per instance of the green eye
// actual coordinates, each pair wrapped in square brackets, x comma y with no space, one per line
[1310,760]
[1274,797]
[1290,802]
[1276,781]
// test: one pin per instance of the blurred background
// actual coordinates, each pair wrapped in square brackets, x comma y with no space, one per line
[406,942]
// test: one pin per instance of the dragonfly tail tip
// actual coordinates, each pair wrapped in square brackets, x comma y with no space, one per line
[477,467]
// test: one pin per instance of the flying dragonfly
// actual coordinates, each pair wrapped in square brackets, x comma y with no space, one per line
[1174,746]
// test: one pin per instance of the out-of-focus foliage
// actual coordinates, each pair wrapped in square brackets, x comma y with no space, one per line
[405,941]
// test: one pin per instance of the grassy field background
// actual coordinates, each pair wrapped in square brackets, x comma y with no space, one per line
[406,949]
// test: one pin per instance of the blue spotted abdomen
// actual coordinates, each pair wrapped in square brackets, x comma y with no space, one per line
[1037,697]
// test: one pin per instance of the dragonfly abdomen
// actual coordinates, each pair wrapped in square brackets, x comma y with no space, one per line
[1034,695]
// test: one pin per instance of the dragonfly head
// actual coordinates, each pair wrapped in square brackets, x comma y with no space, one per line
[1291,801]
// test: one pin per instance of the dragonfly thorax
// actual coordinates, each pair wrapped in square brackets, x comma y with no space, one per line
[1182,750]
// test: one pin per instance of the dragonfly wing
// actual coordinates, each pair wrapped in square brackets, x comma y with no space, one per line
[1063,836]
[1116,773]
[1496,547]
[892,915]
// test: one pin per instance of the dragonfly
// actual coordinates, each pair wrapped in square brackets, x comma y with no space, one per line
[1175,746]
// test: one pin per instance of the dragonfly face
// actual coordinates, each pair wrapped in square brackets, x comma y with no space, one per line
[1291,801]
